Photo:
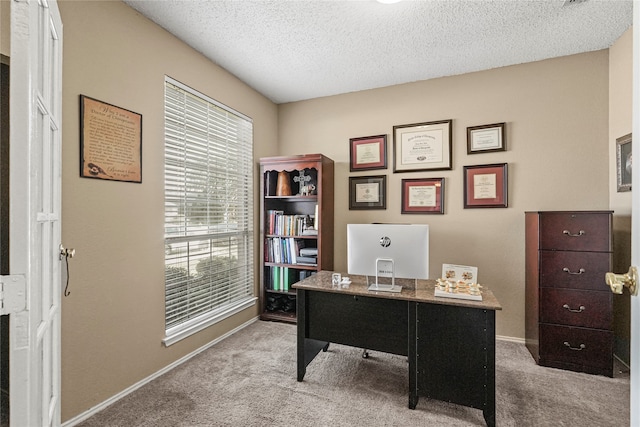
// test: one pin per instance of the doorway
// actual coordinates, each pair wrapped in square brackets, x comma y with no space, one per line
[4,234]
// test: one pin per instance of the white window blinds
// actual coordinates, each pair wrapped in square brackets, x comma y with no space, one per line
[208,211]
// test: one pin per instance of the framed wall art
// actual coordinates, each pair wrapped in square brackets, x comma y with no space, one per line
[110,142]
[422,146]
[423,196]
[368,153]
[486,138]
[485,186]
[368,192]
[623,163]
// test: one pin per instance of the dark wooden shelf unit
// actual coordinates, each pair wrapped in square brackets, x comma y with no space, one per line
[276,303]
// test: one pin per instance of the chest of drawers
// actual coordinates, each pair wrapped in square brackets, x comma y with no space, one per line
[568,305]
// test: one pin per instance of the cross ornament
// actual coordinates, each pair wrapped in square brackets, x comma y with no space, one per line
[302,178]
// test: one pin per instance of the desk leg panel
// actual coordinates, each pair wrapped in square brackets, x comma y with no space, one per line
[370,323]
[455,349]
[307,349]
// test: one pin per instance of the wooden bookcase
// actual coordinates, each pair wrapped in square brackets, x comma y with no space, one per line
[296,226]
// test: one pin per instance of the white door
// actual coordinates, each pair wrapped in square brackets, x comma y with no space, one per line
[34,231]
[635,224]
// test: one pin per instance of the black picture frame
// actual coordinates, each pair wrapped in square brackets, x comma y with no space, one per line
[368,192]
[623,163]
[486,138]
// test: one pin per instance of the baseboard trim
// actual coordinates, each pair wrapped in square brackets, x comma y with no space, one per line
[87,414]
[510,339]
[622,362]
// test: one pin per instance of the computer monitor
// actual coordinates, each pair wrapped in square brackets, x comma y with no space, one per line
[388,250]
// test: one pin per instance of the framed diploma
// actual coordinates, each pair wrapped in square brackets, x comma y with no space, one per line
[486,138]
[422,146]
[368,192]
[623,162]
[110,142]
[423,196]
[368,153]
[485,186]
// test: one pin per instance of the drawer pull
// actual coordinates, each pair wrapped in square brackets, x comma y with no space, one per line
[580,310]
[568,233]
[582,346]
[566,270]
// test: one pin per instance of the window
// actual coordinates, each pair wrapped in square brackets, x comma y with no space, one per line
[208,211]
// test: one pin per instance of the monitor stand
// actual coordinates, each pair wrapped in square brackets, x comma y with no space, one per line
[379,287]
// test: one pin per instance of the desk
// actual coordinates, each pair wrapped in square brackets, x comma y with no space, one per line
[450,343]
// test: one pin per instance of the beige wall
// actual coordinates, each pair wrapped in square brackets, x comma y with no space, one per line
[557,130]
[5,42]
[620,124]
[113,321]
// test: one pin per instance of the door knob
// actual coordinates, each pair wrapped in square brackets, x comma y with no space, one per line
[618,281]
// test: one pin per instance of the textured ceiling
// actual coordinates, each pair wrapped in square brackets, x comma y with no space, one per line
[296,50]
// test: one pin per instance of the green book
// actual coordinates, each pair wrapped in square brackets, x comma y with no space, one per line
[285,280]
[276,278]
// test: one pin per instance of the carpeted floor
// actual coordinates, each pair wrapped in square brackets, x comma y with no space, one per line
[249,379]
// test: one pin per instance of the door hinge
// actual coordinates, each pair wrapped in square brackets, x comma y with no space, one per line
[13,295]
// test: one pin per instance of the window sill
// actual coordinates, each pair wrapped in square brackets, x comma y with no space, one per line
[180,332]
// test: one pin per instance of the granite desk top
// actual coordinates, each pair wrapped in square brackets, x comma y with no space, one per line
[412,290]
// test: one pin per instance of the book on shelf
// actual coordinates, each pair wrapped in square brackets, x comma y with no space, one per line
[281,278]
[309,260]
[285,225]
[283,250]
[309,252]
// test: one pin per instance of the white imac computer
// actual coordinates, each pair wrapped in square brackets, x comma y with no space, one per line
[388,250]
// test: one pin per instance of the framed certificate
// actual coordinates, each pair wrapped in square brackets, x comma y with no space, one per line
[423,196]
[623,162]
[486,138]
[110,142]
[368,192]
[422,146]
[368,153]
[485,186]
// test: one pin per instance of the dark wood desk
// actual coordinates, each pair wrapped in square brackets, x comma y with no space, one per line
[450,343]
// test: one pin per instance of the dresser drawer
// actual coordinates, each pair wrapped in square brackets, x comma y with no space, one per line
[576,270]
[588,309]
[574,231]
[575,346]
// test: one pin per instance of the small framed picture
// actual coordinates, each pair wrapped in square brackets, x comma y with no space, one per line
[368,153]
[485,186]
[368,192]
[465,273]
[623,162]
[486,138]
[422,146]
[423,196]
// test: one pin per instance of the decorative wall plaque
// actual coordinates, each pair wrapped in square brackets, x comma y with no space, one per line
[110,142]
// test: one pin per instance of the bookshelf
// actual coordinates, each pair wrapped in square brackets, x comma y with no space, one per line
[296,228]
